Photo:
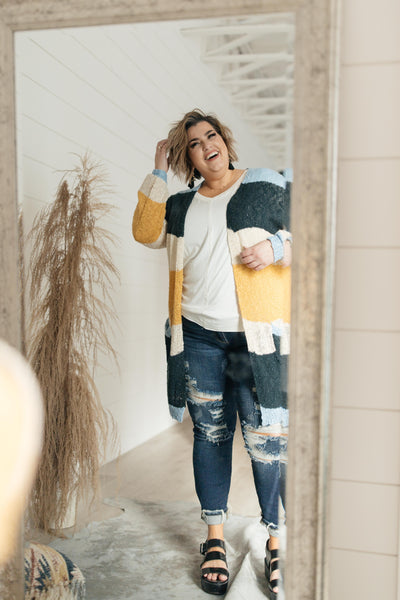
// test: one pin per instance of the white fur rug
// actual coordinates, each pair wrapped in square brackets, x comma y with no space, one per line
[151,552]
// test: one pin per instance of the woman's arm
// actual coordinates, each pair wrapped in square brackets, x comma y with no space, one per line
[148,225]
[276,249]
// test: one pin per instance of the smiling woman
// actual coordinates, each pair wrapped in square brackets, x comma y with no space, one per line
[313,165]
[228,332]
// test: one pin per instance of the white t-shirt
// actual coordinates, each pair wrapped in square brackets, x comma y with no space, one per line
[209,295]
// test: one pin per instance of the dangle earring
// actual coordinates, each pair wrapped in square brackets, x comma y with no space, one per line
[231,167]
[196,175]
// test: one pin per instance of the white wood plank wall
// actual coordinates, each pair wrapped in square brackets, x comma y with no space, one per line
[114,91]
[365,490]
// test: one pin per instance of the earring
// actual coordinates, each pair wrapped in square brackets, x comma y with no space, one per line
[196,175]
[231,167]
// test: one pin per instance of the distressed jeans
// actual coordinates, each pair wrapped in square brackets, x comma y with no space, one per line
[220,385]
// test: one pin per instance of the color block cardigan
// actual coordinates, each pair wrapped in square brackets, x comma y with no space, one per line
[259,210]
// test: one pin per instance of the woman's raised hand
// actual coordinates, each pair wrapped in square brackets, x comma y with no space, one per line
[161,158]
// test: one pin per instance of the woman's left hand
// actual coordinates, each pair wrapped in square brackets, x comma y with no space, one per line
[259,256]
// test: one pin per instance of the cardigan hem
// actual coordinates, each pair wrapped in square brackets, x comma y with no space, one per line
[272,416]
[177,412]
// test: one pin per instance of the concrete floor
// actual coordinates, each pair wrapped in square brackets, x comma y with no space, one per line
[161,469]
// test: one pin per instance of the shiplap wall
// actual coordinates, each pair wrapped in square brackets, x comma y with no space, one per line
[115,91]
[365,492]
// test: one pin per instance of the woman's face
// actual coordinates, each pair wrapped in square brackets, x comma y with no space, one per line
[207,150]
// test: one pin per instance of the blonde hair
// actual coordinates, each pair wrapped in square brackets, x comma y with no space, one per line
[178,157]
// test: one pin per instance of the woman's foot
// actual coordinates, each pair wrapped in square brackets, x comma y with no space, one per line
[215,532]
[272,566]
[214,572]
[218,564]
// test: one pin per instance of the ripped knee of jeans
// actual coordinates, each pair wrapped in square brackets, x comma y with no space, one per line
[267,444]
[197,396]
[207,411]
[209,422]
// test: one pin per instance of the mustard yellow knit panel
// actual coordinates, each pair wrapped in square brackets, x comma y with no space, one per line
[175,297]
[263,295]
[148,219]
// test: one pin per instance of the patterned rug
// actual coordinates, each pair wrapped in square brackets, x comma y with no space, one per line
[50,575]
[151,552]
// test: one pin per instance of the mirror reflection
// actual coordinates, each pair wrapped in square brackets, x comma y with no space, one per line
[116,91]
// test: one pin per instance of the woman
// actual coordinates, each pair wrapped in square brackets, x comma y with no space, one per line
[228,333]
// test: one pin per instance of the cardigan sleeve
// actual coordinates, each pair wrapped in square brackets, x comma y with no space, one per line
[279,247]
[149,225]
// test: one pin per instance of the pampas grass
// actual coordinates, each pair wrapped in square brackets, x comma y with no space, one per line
[71,273]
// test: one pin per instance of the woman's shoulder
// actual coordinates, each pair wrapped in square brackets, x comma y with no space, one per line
[182,194]
[178,203]
[264,175]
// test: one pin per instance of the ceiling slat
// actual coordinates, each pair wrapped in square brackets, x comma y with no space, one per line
[254,62]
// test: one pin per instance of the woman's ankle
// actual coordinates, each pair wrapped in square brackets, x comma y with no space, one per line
[215,532]
[273,543]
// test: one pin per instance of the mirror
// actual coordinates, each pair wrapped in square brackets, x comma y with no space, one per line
[314,167]
[116,90]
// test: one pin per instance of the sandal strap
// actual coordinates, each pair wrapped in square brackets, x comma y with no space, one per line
[272,564]
[221,570]
[272,559]
[215,555]
[211,544]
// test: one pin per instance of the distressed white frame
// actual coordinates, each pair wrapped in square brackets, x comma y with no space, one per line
[313,209]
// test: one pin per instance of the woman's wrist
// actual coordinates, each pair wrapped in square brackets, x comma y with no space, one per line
[161,174]
[277,247]
[161,156]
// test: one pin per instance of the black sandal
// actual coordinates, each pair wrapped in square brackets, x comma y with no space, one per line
[213,587]
[271,564]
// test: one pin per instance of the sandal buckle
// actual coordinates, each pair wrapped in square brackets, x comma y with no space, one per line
[203,547]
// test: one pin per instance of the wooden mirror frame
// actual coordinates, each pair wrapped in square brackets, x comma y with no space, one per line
[313,210]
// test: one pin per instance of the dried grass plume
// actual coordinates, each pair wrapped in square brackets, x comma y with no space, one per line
[71,273]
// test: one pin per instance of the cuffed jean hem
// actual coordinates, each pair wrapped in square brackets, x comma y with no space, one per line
[272,528]
[214,517]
